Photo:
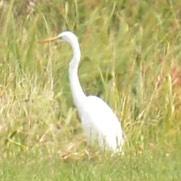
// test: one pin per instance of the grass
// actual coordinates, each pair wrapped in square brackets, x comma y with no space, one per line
[130,58]
[151,164]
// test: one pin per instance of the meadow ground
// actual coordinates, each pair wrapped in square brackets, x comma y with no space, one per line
[130,57]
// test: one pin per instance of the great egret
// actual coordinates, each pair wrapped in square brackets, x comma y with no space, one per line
[99,122]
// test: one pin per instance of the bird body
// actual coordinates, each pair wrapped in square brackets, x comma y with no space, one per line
[100,123]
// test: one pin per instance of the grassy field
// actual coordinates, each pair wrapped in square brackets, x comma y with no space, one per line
[130,57]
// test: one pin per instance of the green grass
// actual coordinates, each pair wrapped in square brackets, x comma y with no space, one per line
[148,164]
[130,58]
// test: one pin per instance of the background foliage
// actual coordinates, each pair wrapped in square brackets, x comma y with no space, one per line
[130,57]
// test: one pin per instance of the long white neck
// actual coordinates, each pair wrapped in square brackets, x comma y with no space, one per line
[77,92]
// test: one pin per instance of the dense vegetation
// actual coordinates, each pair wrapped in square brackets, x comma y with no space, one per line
[130,57]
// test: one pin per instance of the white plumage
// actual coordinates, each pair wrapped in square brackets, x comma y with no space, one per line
[99,122]
[101,125]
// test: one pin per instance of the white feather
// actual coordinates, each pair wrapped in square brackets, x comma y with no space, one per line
[99,122]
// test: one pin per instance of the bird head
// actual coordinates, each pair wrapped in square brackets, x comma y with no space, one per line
[70,38]
[66,36]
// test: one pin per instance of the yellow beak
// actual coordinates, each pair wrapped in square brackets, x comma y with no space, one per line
[48,40]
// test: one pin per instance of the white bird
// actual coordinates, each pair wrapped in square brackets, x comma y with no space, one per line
[100,123]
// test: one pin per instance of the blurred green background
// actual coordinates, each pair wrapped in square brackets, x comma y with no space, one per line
[130,57]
